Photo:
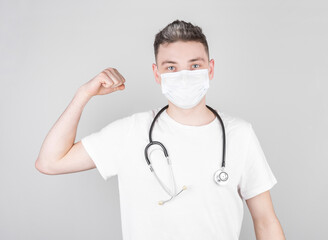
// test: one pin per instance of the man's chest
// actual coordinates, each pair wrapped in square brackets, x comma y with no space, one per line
[194,160]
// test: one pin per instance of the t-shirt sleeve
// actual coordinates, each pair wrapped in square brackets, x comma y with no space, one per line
[107,146]
[257,176]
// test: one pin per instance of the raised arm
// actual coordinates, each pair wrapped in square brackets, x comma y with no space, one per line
[59,154]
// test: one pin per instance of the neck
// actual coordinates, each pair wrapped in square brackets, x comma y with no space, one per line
[196,116]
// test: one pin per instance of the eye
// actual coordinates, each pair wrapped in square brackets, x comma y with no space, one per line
[170,67]
[196,65]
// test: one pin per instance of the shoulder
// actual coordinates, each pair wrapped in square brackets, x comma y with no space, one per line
[235,124]
[137,117]
[145,114]
[143,117]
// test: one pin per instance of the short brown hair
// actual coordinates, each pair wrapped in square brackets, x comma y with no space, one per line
[180,30]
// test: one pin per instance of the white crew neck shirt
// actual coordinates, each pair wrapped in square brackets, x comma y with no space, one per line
[204,210]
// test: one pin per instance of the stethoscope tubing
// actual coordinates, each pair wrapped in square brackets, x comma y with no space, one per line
[217,175]
[151,142]
[223,136]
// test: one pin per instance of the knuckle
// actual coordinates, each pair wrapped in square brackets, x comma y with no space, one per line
[103,74]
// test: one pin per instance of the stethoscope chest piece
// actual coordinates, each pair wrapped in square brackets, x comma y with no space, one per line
[221,176]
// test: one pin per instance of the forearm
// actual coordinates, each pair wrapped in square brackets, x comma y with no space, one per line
[269,230]
[62,135]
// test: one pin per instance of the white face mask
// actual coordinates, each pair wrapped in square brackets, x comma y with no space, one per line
[185,88]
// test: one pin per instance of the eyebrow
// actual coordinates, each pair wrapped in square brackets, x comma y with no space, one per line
[191,60]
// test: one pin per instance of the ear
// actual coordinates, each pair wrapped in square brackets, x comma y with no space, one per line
[156,73]
[211,69]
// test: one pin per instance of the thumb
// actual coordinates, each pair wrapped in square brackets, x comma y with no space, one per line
[121,87]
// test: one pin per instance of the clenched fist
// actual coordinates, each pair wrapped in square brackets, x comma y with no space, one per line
[108,81]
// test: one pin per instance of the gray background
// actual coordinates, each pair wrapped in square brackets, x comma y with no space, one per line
[270,69]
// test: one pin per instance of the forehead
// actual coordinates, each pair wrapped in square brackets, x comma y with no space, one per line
[181,51]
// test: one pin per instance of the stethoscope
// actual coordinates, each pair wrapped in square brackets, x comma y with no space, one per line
[220,176]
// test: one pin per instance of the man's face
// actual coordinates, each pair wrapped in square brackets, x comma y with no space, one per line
[177,56]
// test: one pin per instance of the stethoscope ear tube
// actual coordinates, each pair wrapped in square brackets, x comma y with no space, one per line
[154,143]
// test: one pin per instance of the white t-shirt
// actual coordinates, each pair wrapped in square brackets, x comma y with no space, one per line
[204,210]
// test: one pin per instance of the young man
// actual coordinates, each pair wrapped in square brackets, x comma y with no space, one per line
[193,137]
